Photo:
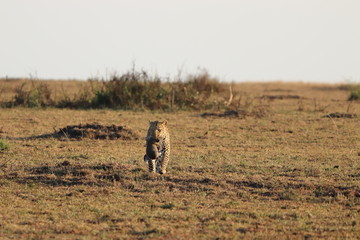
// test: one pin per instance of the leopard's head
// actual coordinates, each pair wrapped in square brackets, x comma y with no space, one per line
[156,130]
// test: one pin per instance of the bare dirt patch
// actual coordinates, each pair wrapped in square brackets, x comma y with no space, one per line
[97,131]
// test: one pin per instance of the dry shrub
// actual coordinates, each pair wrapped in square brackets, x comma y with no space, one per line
[35,95]
[200,91]
[132,90]
[83,99]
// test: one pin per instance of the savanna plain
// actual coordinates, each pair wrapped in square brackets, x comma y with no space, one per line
[286,165]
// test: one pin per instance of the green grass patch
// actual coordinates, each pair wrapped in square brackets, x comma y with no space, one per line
[354,91]
[4,145]
[354,95]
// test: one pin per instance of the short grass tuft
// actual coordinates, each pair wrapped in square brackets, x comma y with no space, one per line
[4,145]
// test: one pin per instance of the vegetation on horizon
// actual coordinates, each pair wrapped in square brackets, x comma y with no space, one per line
[134,90]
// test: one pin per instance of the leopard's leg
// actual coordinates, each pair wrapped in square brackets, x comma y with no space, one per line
[165,157]
[152,164]
[164,163]
[158,164]
[159,161]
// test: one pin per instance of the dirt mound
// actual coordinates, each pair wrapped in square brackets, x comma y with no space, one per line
[340,115]
[257,112]
[97,131]
[231,113]
[280,97]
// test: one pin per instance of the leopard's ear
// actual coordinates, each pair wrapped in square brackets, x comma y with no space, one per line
[165,122]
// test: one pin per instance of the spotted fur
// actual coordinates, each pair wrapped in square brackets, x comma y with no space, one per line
[157,147]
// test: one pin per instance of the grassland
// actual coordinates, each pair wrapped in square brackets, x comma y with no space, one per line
[289,173]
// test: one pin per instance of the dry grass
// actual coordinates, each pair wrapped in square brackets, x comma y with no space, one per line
[290,174]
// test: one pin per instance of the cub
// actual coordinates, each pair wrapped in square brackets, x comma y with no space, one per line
[153,148]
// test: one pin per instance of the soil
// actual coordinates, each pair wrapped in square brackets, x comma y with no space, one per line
[97,131]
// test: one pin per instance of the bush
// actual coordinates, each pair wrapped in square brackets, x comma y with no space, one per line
[198,92]
[133,90]
[38,95]
[81,100]
[138,90]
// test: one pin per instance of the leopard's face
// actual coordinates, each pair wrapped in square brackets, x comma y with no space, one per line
[157,131]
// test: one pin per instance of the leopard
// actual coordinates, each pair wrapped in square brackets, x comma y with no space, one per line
[157,146]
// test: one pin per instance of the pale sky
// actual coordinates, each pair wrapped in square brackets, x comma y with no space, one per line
[235,40]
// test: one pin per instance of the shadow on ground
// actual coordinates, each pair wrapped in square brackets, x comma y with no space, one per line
[68,174]
[138,180]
